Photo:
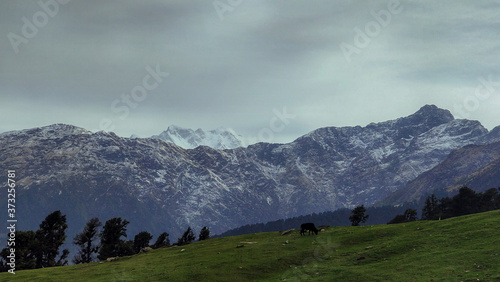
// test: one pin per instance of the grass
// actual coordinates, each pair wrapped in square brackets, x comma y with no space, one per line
[458,249]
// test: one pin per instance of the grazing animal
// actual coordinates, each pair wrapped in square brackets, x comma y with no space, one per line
[308,227]
[112,259]
[145,250]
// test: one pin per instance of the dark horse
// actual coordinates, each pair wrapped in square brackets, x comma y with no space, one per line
[308,227]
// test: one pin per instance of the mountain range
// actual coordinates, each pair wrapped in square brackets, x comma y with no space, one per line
[159,186]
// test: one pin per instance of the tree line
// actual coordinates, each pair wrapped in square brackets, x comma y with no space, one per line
[340,217]
[41,248]
[467,201]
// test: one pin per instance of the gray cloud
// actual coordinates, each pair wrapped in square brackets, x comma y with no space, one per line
[264,55]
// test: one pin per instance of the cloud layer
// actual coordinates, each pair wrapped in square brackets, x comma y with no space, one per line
[236,63]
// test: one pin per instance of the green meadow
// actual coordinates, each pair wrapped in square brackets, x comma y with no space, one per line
[464,248]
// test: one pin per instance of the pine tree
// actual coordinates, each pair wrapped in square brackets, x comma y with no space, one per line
[141,240]
[111,243]
[50,237]
[26,243]
[125,248]
[432,209]
[497,200]
[446,208]
[407,216]
[162,241]
[467,201]
[358,215]
[397,219]
[204,234]
[488,200]
[85,241]
[410,215]
[186,238]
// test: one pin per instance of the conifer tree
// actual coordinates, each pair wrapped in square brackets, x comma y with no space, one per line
[111,243]
[162,241]
[358,215]
[467,201]
[407,216]
[410,215]
[432,209]
[141,240]
[50,238]
[26,243]
[186,238]
[85,241]
[204,234]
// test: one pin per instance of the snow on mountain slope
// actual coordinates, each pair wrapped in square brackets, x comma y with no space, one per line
[159,186]
[474,166]
[220,138]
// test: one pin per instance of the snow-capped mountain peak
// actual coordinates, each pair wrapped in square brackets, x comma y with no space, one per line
[220,138]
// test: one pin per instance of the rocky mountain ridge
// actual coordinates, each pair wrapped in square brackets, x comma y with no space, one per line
[475,166]
[159,186]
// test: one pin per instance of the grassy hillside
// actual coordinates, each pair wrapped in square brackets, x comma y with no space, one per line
[457,249]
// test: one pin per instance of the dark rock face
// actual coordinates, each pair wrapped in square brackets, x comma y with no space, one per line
[159,186]
[474,166]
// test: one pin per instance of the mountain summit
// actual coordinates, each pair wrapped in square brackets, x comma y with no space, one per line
[220,138]
[427,117]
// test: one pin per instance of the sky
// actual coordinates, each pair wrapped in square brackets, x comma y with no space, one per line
[270,70]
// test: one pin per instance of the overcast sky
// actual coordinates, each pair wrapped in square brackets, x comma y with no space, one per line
[237,63]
